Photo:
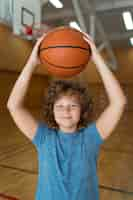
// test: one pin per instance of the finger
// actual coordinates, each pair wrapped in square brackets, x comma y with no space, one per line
[38,42]
[87,40]
[88,36]
[40,39]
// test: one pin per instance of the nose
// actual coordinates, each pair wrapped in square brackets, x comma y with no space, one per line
[67,108]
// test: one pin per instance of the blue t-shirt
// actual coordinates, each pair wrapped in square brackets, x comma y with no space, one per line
[67,163]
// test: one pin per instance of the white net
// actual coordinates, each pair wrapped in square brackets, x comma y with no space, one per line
[34,32]
[39,31]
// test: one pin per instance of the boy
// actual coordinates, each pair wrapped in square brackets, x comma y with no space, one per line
[67,143]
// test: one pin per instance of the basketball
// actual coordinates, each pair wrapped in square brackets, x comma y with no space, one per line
[64,52]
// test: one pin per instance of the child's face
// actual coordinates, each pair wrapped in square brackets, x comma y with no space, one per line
[67,113]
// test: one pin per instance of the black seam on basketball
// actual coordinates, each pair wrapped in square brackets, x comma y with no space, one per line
[65,46]
[68,67]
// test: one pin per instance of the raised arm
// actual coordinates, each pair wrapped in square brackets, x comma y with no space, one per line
[22,117]
[110,117]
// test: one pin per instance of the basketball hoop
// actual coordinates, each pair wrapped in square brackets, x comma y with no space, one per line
[27,32]
[38,31]
[34,32]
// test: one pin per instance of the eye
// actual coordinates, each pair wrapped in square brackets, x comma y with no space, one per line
[58,106]
[74,105]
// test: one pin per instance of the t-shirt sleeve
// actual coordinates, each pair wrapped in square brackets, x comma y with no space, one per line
[93,137]
[40,135]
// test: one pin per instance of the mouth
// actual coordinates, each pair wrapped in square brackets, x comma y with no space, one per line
[66,117]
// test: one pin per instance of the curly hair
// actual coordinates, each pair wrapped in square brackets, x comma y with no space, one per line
[60,88]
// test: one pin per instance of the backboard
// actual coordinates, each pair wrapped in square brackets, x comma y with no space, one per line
[25,13]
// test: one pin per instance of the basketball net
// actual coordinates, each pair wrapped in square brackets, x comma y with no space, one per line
[27,32]
[34,32]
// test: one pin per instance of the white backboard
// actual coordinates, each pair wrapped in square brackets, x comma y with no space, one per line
[25,12]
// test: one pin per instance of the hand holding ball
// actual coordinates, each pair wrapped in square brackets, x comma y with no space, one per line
[64,52]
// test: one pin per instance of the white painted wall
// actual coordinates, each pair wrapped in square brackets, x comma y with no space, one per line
[6,11]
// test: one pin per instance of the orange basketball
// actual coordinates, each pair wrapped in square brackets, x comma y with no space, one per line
[64,52]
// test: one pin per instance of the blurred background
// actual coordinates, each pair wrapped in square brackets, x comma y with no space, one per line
[110,24]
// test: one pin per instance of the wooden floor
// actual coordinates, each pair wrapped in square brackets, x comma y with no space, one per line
[18,162]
